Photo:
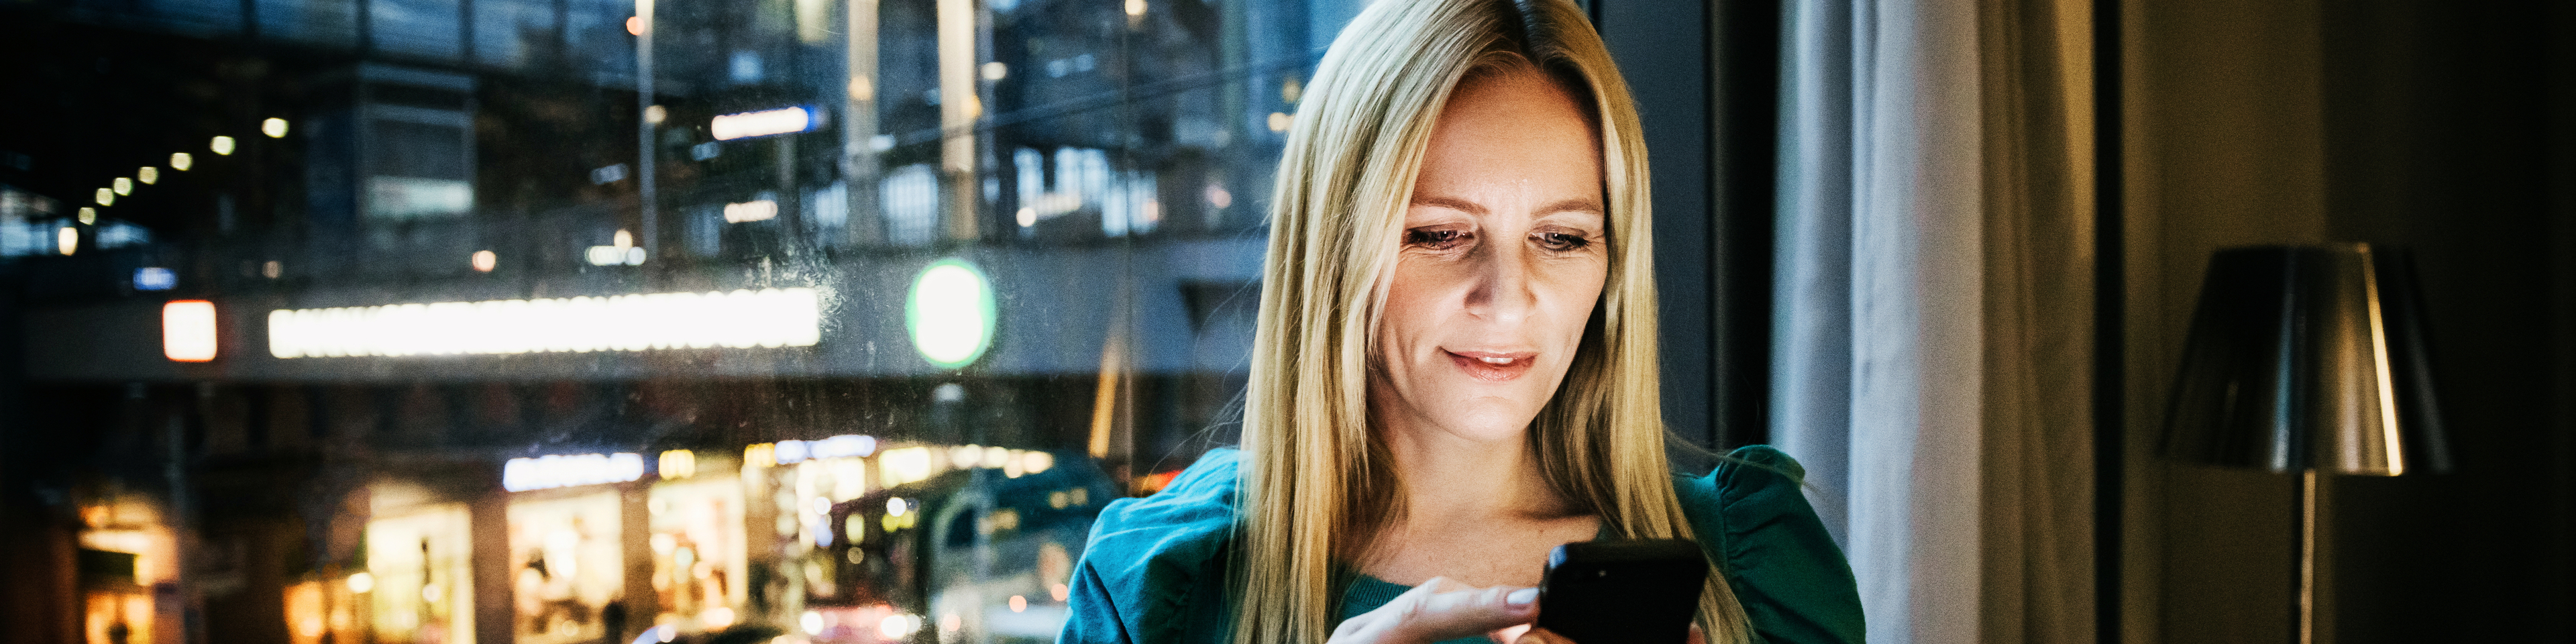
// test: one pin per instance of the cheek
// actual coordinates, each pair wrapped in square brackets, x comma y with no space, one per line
[1575,291]
[1412,304]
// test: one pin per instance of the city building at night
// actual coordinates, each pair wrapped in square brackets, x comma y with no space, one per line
[557,321]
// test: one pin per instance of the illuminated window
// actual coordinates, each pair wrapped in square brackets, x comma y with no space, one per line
[188,330]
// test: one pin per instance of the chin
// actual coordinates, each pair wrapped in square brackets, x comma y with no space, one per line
[1492,420]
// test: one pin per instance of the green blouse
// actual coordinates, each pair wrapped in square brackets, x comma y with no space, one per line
[1154,571]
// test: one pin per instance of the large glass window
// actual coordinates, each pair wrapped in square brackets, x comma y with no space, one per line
[823,320]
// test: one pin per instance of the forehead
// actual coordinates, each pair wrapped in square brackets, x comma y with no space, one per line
[1515,130]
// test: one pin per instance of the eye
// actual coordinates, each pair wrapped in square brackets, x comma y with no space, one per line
[1436,238]
[1562,241]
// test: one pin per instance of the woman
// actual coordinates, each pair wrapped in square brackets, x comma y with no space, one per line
[1454,372]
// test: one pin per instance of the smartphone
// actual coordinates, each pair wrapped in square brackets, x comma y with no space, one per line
[1640,591]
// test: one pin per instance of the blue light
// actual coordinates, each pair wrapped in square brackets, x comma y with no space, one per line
[155,278]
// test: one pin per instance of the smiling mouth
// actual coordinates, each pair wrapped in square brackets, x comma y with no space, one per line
[1491,366]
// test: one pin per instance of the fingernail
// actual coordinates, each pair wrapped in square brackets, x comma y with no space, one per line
[1521,597]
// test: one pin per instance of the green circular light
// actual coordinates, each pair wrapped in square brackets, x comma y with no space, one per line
[950,313]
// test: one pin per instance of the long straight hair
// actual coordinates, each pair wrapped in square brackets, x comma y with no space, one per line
[1316,483]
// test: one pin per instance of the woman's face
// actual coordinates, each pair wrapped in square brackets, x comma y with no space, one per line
[1504,251]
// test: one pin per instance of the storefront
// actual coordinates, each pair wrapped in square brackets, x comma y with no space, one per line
[566,554]
[698,544]
[128,568]
[417,585]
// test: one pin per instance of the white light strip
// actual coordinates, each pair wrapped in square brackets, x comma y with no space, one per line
[789,317]
[523,474]
[762,210]
[846,445]
[761,123]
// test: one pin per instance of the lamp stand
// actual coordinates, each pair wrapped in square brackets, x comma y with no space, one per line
[2307,556]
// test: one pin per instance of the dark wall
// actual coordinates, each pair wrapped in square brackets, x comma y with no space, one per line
[2448,128]
[1705,75]
[2443,135]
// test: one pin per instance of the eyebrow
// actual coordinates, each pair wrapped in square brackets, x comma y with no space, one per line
[1568,205]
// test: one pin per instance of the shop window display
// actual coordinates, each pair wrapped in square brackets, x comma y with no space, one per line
[418,586]
[569,569]
[698,547]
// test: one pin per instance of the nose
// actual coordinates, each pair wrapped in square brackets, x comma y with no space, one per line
[1504,290]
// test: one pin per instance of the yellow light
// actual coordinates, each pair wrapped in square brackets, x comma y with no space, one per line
[122,186]
[622,240]
[148,175]
[861,89]
[485,260]
[88,215]
[182,161]
[995,70]
[634,25]
[67,240]
[222,145]
[106,197]
[904,465]
[188,330]
[1279,121]
[759,455]
[679,464]
[362,582]
[275,128]
[654,114]
[1135,7]
[1019,604]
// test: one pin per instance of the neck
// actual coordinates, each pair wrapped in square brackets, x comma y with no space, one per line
[1449,480]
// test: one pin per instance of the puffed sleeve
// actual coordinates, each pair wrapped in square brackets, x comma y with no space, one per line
[1094,618]
[1153,571]
[1794,583]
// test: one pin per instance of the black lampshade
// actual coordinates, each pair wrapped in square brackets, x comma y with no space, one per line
[2308,357]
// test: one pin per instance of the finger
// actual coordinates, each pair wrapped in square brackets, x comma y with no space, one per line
[1428,615]
[1697,637]
[1541,636]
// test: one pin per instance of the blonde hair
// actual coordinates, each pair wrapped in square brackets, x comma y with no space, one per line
[1315,483]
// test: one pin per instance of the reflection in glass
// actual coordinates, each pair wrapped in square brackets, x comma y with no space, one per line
[863,377]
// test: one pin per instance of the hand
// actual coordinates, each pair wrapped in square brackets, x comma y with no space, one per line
[1542,636]
[1437,610]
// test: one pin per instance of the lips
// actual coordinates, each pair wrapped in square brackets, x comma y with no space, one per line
[1492,366]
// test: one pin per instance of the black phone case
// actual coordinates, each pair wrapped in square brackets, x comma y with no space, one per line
[1640,591]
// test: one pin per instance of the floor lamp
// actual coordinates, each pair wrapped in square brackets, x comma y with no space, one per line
[2308,359]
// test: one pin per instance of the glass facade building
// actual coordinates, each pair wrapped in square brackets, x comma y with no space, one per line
[554,321]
